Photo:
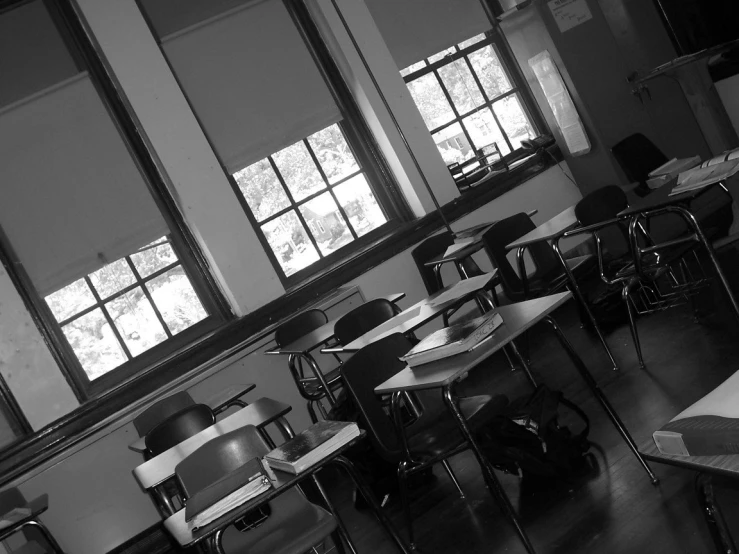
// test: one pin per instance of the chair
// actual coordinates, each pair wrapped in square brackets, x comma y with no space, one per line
[431,438]
[26,520]
[161,410]
[364,318]
[642,267]
[309,386]
[178,427]
[548,276]
[293,525]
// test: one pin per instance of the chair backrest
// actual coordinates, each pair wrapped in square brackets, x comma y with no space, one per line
[637,156]
[429,249]
[299,325]
[496,238]
[369,367]
[178,427]
[363,318]
[10,499]
[218,457]
[161,410]
[601,205]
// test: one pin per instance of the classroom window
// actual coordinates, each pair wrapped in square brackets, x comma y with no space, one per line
[468,99]
[310,199]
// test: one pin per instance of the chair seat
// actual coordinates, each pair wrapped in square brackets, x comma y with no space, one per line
[294,527]
[439,433]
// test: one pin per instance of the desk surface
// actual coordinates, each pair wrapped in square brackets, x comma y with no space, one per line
[555,227]
[661,198]
[179,529]
[320,336]
[160,468]
[517,318]
[422,312]
[723,464]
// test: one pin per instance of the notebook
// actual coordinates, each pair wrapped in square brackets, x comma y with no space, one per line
[453,340]
[311,445]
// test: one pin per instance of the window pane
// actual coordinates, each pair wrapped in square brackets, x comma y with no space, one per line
[333,153]
[471,41]
[360,205]
[299,171]
[514,120]
[461,86]
[153,259]
[431,102]
[289,241]
[262,189]
[8,432]
[453,144]
[70,300]
[136,321]
[322,214]
[484,130]
[438,56]
[176,300]
[94,344]
[112,278]
[411,68]
[490,71]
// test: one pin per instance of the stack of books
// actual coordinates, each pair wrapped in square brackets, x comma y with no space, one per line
[457,339]
[311,445]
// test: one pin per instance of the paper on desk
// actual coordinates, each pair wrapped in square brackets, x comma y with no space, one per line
[230,502]
[703,176]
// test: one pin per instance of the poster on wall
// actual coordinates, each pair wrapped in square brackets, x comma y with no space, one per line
[560,101]
[570,13]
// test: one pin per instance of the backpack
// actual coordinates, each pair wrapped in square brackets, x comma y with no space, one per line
[528,440]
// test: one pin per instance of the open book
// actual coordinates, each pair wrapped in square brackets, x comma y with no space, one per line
[704,176]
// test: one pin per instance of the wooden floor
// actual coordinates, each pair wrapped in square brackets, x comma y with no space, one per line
[617,510]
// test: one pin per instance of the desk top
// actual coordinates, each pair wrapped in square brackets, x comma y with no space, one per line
[722,464]
[422,312]
[215,402]
[321,335]
[160,468]
[555,227]
[178,527]
[661,198]
[517,318]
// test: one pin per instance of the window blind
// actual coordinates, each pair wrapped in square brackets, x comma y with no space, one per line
[251,81]
[416,29]
[73,199]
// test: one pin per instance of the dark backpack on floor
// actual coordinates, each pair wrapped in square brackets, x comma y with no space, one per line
[529,441]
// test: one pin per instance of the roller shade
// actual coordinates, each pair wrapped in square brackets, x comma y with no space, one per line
[251,81]
[416,29]
[73,199]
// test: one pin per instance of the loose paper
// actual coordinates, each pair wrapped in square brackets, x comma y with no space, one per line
[570,13]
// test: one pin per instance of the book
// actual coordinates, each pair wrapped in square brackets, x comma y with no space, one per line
[311,445]
[675,166]
[708,427]
[229,492]
[704,176]
[453,340]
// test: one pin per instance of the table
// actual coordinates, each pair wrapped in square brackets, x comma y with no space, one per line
[660,202]
[552,231]
[444,374]
[153,473]
[177,525]
[302,348]
[218,402]
[421,312]
[707,466]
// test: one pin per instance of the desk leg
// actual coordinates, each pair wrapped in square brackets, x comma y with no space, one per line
[581,299]
[712,514]
[595,389]
[488,473]
[163,501]
[372,501]
[343,532]
[321,378]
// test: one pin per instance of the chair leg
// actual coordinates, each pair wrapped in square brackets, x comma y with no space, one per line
[632,325]
[715,521]
[322,410]
[47,535]
[453,477]
[405,501]
[312,412]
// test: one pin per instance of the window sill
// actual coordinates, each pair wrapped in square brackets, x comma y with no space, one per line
[36,449]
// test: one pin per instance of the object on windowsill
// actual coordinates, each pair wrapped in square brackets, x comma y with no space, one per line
[703,176]
[707,428]
[226,494]
[311,445]
[453,340]
[675,166]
